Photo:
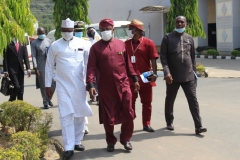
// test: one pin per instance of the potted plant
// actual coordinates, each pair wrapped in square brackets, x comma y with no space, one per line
[200,70]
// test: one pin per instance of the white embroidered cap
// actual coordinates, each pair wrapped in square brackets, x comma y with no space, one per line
[68,23]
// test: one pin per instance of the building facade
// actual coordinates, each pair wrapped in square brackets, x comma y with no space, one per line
[219,17]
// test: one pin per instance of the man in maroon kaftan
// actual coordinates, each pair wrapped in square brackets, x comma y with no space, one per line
[111,65]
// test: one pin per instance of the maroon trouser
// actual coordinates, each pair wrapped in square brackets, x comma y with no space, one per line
[145,94]
[126,132]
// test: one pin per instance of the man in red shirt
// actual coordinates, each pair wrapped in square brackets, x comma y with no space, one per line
[143,55]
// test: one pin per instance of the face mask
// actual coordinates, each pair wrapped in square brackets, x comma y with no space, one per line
[131,33]
[180,30]
[106,35]
[91,34]
[67,35]
[79,34]
[41,36]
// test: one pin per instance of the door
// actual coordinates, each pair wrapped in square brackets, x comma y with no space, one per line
[212,38]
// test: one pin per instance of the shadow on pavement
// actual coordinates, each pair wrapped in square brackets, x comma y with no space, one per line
[98,153]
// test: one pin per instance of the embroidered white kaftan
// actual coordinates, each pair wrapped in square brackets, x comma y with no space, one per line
[71,59]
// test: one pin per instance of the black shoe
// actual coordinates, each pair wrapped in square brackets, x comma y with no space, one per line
[127,145]
[50,103]
[110,148]
[200,130]
[79,147]
[148,129]
[45,107]
[170,127]
[68,154]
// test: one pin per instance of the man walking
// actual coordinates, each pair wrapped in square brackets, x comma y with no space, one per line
[39,48]
[111,65]
[143,54]
[70,56]
[14,56]
[179,65]
[93,38]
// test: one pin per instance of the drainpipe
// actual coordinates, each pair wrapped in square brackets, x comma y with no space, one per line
[129,13]
[149,30]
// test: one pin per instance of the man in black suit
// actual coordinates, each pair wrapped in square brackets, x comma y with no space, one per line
[178,60]
[14,56]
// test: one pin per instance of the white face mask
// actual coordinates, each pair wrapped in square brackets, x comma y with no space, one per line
[106,35]
[131,33]
[67,35]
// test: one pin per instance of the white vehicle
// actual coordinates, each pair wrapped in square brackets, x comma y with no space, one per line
[120,30]
[28,45]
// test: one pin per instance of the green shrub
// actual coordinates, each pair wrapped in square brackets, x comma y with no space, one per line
[10,154]
[25,117]
[235,53]
[19,114]
[213,52]
[28,144]
[204,48]
[200,68]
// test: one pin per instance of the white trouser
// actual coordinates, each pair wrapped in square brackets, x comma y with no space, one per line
[72,131]
[85,126]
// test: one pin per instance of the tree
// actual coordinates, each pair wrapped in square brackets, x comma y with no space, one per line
[76,10]
[189,9]
[16,19]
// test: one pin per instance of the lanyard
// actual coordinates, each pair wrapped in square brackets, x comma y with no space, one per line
[137,46]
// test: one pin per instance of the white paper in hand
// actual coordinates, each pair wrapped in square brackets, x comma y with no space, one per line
[144,76]
[196,77]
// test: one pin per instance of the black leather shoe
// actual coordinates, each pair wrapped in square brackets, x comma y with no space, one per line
[200,130]
[68,154]
[110,148]
[170,127]
[45,107]
[50,103]
[127,145]
[79,147]
[148,129]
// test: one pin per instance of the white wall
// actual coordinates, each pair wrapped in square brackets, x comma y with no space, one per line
[128,10]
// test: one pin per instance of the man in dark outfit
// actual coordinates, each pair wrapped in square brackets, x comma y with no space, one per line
[15,56]
[178,60]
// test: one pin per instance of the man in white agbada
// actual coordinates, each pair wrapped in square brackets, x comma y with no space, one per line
[70,54]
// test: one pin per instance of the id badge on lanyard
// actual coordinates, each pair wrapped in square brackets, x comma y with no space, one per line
[133,59]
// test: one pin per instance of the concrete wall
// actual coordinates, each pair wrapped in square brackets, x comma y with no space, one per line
[236,24]
[127,10]
[203,14]
[224,24]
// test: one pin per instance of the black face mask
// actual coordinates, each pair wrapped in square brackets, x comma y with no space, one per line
[91,34]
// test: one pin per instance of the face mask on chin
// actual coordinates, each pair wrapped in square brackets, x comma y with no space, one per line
[67,35]
[180,30]
[41,36]
[107,35]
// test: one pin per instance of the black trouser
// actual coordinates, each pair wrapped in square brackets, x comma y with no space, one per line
[189,89]
[18,82]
